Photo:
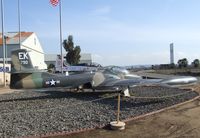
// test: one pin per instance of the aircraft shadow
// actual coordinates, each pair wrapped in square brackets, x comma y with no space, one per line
[56,95]
[85,96]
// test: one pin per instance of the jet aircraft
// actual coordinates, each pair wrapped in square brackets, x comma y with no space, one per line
[24,75]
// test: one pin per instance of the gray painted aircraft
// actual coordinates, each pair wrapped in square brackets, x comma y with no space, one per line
[24,75]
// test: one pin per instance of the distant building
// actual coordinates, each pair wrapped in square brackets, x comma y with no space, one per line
[171,53]
[86,58]
[7,74]
[29,41]
[51,58]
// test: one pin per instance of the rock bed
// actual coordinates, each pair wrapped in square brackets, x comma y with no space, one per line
[32,113]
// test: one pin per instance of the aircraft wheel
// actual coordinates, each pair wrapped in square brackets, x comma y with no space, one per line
[125,91]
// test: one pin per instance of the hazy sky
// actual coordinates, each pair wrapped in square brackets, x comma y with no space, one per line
[117,32]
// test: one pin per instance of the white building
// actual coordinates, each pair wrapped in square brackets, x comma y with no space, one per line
[29,41]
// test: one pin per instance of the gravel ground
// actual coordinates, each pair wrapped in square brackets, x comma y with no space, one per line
[34,113]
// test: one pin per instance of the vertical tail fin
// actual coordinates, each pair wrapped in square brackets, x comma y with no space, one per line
[21,61]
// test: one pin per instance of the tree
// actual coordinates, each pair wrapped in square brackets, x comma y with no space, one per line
[51,67]
[182,63]
[172,65]
[196,63]
[73,53]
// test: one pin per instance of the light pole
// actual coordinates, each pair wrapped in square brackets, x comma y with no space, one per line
[19,22]
[61,43]
[6,55]
[3,43]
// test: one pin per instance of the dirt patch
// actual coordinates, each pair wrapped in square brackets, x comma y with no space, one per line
[4,90]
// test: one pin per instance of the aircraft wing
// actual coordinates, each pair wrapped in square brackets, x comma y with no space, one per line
[104,81]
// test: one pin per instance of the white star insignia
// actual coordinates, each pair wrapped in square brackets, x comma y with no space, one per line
[52,82]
